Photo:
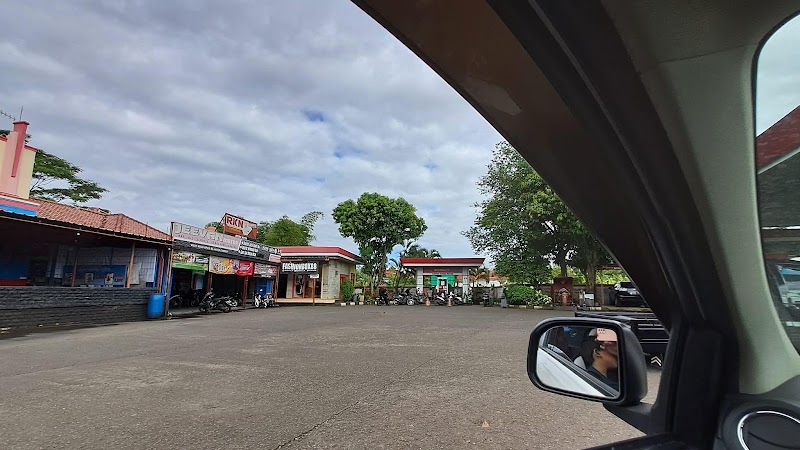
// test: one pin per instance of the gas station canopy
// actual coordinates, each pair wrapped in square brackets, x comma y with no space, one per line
[441,266]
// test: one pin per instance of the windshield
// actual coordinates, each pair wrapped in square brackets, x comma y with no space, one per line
[778,170]
[627,284]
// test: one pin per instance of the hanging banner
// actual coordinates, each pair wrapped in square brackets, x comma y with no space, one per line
[222,266]
[245,268]
[189,260]
[265,271]
[96,275]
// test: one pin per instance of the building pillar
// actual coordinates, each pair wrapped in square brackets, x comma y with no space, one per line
[75,265]
[420,279]
[130,265]
[465,288]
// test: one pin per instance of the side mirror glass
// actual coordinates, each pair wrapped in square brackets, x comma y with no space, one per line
[594,359]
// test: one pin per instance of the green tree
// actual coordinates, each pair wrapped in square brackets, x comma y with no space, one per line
[478,273]
[410,250]
[377,224]
[57,179]
[286,231]
[524,226]
[216,225]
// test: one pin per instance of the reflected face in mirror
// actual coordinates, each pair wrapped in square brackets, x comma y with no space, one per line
[579,359]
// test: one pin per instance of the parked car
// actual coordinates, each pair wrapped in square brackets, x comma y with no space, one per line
[625,293]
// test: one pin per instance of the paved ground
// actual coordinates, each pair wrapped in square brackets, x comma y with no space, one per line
[293,378]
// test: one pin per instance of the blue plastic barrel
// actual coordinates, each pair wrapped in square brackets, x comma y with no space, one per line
[155,307]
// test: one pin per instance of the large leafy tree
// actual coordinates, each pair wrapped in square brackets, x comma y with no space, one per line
[286,231]
[57,179]
[377,224]
[525,227]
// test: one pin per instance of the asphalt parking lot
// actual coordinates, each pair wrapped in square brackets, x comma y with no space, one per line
[294,378]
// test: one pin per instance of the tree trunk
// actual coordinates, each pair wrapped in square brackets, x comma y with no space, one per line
[561,260]
[591,266]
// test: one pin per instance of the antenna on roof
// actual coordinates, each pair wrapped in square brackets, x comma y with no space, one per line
[3,113]
[20,112]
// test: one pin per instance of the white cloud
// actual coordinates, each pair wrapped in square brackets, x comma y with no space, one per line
[185,115]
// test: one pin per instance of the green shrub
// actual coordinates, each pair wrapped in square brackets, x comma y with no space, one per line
[519,295]
[346,290]
[540,299]
[526,295]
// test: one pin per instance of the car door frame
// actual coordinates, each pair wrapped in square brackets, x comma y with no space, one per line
[662,243]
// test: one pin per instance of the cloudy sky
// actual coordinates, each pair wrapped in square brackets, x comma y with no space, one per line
[189,109]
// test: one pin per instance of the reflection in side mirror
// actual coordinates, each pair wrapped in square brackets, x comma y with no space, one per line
[580,359]
[589,358]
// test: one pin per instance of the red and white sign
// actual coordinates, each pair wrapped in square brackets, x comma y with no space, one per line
[245,268]
[275,258]
[240,227]
[265,270]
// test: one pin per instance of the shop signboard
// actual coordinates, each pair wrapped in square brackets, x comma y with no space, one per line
[198,239]
[300,267]
[245,268]
[189,260]
[441,270]
[202,236]
[239,227]
[265,270]
[222,266]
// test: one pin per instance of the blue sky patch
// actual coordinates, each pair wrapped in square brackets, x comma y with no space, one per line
[314,116]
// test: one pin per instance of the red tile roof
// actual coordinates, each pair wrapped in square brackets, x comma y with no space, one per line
[94,218]
[779,139]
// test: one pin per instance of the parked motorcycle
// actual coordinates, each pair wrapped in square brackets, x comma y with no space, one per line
[208,302]
[226,303]
[455,299]
[440,299]
[264,301]
[404,298]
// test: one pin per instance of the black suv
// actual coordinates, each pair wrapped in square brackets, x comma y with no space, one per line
[625,293]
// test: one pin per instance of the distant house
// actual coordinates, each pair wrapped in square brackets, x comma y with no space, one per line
[778,169]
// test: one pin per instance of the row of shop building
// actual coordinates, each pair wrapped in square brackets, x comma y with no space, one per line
[64,263]
[231,264]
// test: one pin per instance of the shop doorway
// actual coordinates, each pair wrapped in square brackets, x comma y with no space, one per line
[283,282]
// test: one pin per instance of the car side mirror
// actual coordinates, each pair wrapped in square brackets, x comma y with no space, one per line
[593,359]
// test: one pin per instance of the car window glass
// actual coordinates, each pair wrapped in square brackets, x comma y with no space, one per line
[778,170]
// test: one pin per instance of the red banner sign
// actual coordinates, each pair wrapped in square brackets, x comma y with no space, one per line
[442,270]
[240,227]
[245,268]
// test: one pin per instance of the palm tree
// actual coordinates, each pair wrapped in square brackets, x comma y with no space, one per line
[415,251]
[477,274]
